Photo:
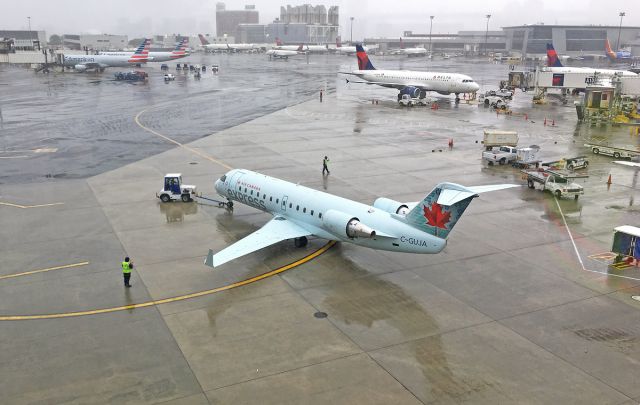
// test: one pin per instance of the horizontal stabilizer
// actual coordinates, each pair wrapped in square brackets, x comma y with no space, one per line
[274,231]
[625,163]
[451,196]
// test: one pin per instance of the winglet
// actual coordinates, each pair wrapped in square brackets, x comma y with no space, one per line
[209,260]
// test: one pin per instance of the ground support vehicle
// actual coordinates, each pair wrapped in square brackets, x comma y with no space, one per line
[617,152]
[494,138]
[164,66]
[558,183]
[168,77]
[174,189]
[526,158]
[133,76]
[501,155]
[574,163]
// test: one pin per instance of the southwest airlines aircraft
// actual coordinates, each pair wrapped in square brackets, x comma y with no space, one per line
[418,227]
[412,82]
[100,62]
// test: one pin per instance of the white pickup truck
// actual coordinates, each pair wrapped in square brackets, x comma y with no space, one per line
[501,155]
[558,183]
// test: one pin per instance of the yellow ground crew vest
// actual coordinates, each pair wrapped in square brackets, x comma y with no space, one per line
[126,268]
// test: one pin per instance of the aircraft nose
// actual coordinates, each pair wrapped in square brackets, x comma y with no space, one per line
[218,186]
[475,87]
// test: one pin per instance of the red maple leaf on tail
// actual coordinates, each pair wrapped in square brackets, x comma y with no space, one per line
[435,216]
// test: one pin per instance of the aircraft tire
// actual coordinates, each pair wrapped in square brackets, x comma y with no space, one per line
[301,242]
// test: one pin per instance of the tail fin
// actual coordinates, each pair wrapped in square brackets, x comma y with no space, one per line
[141,55]
[441,209]
[363,59]
[203,40]
[181,48]
[300,48]
[401,43]
[552,57]
[610,53]
[278,42]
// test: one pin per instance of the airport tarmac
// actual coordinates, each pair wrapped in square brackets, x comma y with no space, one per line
[520,307]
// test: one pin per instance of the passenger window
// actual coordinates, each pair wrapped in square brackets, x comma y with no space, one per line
[290,205]
[304,210]
[251,192]
[297,208]
[319,214]
[277,200]
[311,212]
[245,189]
[270,198]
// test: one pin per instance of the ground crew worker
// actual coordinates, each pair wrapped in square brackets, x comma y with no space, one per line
[325,161]
[127,265]
[321,96]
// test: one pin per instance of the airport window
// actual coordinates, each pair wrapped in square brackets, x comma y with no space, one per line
[311,212]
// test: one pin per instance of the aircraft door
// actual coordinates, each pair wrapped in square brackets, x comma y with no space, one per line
[284,203]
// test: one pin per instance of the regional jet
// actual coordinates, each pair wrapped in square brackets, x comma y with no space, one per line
[284,53]
[100,62]
[212,47]
[413,83]
[180,51]
[410,52]
[300,212]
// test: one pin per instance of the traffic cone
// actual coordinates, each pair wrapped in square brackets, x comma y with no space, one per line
[526,117]
[553,123]
[609,181]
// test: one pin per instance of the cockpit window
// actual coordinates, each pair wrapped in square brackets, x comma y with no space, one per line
[223,178]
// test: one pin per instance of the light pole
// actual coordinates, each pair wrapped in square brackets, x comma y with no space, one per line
[486,34]
[30,35]
[351,39]
[430,30]
[621,14]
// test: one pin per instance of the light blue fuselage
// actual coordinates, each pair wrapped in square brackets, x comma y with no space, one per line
[317,211]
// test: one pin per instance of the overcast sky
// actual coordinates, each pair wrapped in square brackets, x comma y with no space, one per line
[372,17]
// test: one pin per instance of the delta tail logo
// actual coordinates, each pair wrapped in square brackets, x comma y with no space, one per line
[363,59]
[552,57]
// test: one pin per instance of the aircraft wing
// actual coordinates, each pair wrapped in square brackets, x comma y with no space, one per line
[274,231]
[625,163]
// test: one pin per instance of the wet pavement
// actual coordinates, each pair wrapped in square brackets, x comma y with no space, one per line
[507,313]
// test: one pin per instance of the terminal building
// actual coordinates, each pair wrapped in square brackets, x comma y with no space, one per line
[305,24]
[100,42]
[227,21]
[465,42]
[22,40]
[571,40]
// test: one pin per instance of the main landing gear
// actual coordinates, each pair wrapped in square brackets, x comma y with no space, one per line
[457,97]
[300,242]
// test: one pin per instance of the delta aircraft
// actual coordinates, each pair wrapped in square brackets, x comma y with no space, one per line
[180,51]
[410,52]
[100,62]
[300,212]
[414,83]
[306,48]
[554,65]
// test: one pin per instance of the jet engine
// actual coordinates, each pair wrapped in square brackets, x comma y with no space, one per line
[80,68]
[391,206]
[413,92]
[342,224]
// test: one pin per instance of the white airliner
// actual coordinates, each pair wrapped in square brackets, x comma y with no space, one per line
[180,51]
[299,212]
[415,51]
[414,83]
[100,62]
[212,47]
[555,66]
[307,48]
[284,53]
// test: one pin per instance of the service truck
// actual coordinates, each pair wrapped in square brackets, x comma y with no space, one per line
[502,155]
[556,182]
[493,138]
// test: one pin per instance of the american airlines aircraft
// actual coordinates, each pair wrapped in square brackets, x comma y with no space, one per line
[299,212]
[180,51]
[100,62]
[414,83]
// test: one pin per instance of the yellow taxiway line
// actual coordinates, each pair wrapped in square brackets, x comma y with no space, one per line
[29,206]
[26,273]
[166,138]
[237,284]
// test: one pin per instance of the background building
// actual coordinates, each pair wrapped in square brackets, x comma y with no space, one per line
[101,42]
[572,40]
[305,24]
[227,21]
[251,33]
[25,40]
[466,42]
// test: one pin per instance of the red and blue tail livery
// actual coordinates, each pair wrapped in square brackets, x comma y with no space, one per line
[552,57]
[363,59]
[180,50]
